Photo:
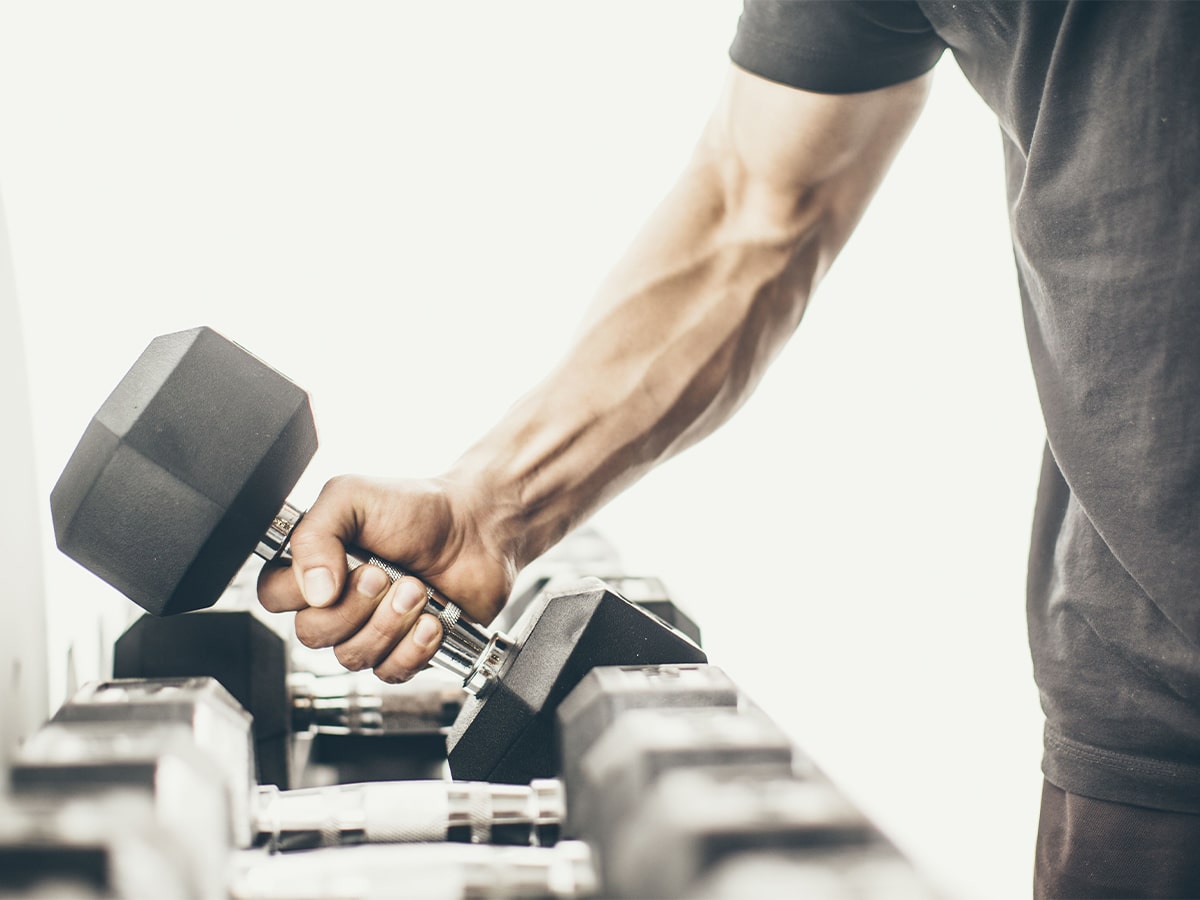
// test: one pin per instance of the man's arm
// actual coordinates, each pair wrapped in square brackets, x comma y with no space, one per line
[676,340]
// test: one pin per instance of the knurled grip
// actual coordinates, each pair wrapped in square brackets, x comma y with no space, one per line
[482,814]
[448,613]
[463,642]
[405,811]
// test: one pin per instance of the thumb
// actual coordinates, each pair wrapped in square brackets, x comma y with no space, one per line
[319,543]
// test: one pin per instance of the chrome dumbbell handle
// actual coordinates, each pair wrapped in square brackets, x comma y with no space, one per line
[401,812]
[468,649]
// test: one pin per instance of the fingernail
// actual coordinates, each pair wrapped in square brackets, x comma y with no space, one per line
[372,581]
[408,594]
[426,632]
[318,587]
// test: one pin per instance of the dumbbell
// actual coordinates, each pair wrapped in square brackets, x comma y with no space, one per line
[367,731]
[647,592]
[607,692]
[391,812]
[356,728]
[80,735]
[90,762]
[587,552]
[153,781]
[406,722]
[841,872]
[184,472]
[693,820]
[110,846]
[212,722]
[643,745]
[671,771]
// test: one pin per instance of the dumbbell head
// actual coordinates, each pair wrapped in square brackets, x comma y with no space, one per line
[111,845]
[849,872]
[646,591]
[365,729]
[238,650]
[92,760]
[182,470]
[652,595]
[216,725]
[694,819]
[643,745]
[508,733]
[607,692]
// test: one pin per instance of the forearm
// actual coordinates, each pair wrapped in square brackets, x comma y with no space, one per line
[675,341]
[683,329]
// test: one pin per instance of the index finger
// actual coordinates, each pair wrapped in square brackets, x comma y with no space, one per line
[277,589]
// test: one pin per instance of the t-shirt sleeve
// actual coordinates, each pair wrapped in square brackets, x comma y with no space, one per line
[835,46]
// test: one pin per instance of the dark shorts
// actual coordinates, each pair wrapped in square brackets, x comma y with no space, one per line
[1097,849]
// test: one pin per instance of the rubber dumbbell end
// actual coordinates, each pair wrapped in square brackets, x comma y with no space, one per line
[180,471]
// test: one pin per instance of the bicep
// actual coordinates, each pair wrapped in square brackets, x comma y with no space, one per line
[790,160]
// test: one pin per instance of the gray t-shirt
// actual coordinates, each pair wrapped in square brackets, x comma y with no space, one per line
[1099,109]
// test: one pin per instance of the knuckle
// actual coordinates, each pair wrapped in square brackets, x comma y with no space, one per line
[492,608]
[309,635]
[349,659]
[392,674]
[270,596]
[347,617]
[269,603]
[390,634]
[337,486]
[304,539]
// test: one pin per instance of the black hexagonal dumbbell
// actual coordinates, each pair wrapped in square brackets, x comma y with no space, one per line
[610,691]
[110,845]
[110,767]
[184,473]
[359,727]
[91,762]
[727,832]
[215,724]
[367,730]
[684,787]
[646,591]
[126,732]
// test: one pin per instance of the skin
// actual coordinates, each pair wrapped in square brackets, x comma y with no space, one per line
[676,340]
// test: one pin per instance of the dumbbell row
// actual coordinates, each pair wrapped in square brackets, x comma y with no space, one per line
[111,730]
[705,778]
[168,744]
[116,846]
[78,759]
[671,772]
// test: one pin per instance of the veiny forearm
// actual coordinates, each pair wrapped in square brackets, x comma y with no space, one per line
[684,327]
[677,338]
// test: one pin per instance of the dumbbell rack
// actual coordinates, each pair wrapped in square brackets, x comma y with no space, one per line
[671,783]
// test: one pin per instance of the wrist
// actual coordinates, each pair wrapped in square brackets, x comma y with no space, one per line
[482,494]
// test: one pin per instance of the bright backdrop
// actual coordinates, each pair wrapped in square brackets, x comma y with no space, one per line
[405,206]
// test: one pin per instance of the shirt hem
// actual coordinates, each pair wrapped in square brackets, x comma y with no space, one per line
[1090,771]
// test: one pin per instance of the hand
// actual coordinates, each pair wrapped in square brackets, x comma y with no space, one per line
[434,529]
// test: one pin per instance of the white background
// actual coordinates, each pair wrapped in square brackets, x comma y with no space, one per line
[405,208]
